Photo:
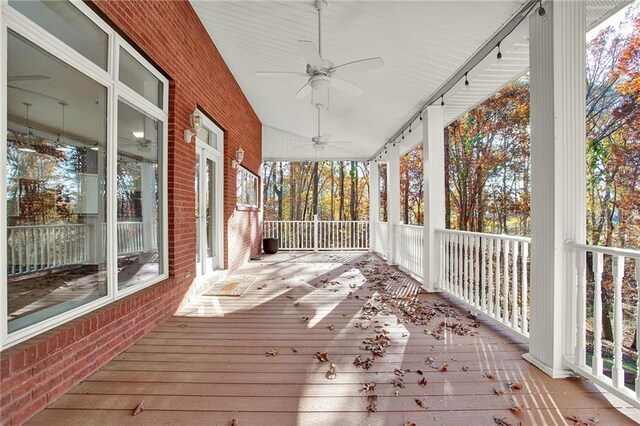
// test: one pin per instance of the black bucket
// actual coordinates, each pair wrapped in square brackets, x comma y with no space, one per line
[270,245]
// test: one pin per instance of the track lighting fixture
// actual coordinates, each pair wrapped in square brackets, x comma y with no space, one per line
[420,117]
[499,55]
[402,135]
[442,101]
[466,81]
[410,126]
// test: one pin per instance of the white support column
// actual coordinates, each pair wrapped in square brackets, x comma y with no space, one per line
[393,200]
[149,219]
[558,177]
[433,165]
[374,202]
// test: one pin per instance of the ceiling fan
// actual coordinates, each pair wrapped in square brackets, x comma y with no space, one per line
[323,73]
[319,142]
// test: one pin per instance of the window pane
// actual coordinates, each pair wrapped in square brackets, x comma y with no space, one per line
[71,26]
[56,186]
[137,77]
[139,197]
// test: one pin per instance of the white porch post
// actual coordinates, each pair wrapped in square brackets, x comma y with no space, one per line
[374,202]
[393,200]
[558,177]
[149,219]
[433,165]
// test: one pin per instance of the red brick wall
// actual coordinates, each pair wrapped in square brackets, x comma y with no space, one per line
[169,33]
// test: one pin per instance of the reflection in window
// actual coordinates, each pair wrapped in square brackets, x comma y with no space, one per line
[56,186]
[246,188]
[67,23]
[138,195]
[137,77]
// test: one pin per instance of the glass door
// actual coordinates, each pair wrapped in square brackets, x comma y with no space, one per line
[208,209]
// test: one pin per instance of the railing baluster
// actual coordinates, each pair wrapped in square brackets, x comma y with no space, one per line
[581,300]
[490,296]
[498,282]
[505,285]
[514,286]
[483,273]
[525,289]
[476,281]
[617,372]
[596,363]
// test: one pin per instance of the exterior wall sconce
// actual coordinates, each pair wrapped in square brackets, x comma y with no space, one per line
[196,123]
[239,157]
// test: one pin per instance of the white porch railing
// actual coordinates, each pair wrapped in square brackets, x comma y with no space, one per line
[409,243]
[488,272]
[595,268]
[32,248]
[36,248]
[318,235]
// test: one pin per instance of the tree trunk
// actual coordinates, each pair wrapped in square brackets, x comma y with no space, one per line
[447,184]
[341,203]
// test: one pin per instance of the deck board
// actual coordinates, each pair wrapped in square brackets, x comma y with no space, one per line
[207,364]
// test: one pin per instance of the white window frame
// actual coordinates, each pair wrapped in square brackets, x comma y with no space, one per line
[11,19]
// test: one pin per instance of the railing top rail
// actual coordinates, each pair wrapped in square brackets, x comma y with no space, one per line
[484,234]
[404,225]
[613,251]
[322,221]
[68,225]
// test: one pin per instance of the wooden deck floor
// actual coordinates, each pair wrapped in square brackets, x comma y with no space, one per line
[207,364]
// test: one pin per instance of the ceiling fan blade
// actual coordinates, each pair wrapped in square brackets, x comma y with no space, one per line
[346,87]
[310,53]
[302,146]
[303,92]
[27,77]
[324,138]
[279,74]
[341,142]
[358,66]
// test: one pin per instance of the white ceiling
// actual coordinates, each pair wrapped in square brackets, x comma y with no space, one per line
[422,42]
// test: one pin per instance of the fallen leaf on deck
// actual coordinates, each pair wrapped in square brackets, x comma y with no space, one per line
[372,397]
[397,382]
[364,362]
[421,404]
[332,373]
[305,319]
[465,368]
[234,422]
[516,408]
[262,286]
[272,352]
[423,382]
[488,375]
[290,297]
[445,367]
[322,356]
[372,407]
[294,350]
[398,371]
[367,387]
[183,325]
[139,408]
[296,304]
[396,393]
[582,422]
[515,386]
[331,327]
[420,372]
[497,391]
[409,424]
[501,421]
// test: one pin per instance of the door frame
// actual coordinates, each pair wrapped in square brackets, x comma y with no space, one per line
[205,152]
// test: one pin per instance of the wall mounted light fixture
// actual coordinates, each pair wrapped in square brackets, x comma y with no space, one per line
[195,120]
[239,157]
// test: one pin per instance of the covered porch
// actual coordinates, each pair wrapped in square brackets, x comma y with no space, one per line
[209,363]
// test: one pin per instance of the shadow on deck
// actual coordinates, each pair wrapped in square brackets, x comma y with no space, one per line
[207,364]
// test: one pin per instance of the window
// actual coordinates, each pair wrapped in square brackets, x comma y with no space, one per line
[69,248]
[247,189]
